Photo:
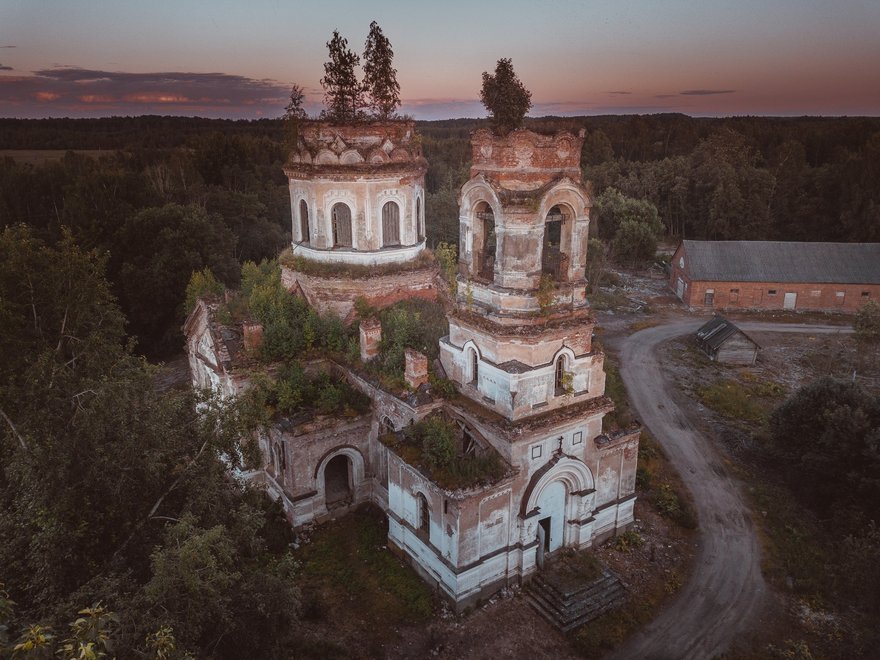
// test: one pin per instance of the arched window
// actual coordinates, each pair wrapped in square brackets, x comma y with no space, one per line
[341,218]
[390,224]
[303,221]
[557,238]
[472,368]
[560,375]
[424,514]
[420,226]
[484,242]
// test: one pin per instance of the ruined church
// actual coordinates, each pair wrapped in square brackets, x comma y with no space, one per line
[529,381]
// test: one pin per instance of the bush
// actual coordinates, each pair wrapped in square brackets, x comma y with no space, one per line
[825,439]
[201,283]
[867,323]
[438,442]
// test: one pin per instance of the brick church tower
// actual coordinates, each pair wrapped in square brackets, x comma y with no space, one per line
[520,339]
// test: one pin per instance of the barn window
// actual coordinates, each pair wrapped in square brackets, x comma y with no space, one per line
[709,297]
[734,295]
[390,224]
[771,292]
[866,294]
[341,218]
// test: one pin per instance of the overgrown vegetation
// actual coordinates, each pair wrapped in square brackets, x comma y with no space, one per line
[438,446]
[413,323]
[290,327]
[353,271]
[296,393]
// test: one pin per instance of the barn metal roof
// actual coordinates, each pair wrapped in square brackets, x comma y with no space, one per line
[717,330]
[783,261]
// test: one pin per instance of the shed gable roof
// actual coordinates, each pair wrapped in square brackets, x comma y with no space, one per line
[717,330]
[783,261]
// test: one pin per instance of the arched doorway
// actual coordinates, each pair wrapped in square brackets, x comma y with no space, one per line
[337,480]
[341,219]
[420,226]
[551,519]
[485,243]
[303,221]
[554,258]
[390,224]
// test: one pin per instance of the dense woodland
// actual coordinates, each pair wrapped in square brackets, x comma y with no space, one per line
[171,195]
[113,492]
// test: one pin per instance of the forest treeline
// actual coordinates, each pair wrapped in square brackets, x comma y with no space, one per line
[178,194]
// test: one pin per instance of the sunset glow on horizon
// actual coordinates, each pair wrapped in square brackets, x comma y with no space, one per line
[238,60]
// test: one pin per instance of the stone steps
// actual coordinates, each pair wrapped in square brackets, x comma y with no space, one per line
[572,607]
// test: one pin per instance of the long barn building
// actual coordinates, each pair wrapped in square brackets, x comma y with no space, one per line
[727,275]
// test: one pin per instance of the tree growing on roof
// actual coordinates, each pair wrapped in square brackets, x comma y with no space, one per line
[380,76]
[343,93]
[505,97]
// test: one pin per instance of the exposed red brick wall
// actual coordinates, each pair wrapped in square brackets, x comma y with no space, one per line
[811,296]
[526,156]
[756,295]
[337,294]
[416,371]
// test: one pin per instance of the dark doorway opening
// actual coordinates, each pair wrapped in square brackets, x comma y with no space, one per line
[545,526]
[337,485]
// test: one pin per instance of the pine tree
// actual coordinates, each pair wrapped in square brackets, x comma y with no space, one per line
[294,113]
[380,77]
[505,97]
[343,94]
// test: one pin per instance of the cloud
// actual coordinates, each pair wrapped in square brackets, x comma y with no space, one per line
[8,46]
[706,92]
[664,96]
[442,108]
[3,67]
[74,91]
[620,92]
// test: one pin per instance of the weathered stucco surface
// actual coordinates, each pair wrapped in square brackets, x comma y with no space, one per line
[531,384]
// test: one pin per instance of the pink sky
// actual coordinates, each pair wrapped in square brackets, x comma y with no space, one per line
[231,59]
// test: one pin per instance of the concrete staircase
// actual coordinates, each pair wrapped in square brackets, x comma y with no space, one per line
[568,602]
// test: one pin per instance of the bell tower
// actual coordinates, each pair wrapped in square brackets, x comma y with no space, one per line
[520,337]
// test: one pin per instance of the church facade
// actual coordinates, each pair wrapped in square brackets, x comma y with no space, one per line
[530,382]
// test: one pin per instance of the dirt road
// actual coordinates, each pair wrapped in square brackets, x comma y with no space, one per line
[726,594]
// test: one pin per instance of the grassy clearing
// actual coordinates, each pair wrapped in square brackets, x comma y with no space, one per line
[746,399]
[347,569]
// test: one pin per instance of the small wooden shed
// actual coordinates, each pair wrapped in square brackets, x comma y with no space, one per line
[724,342]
